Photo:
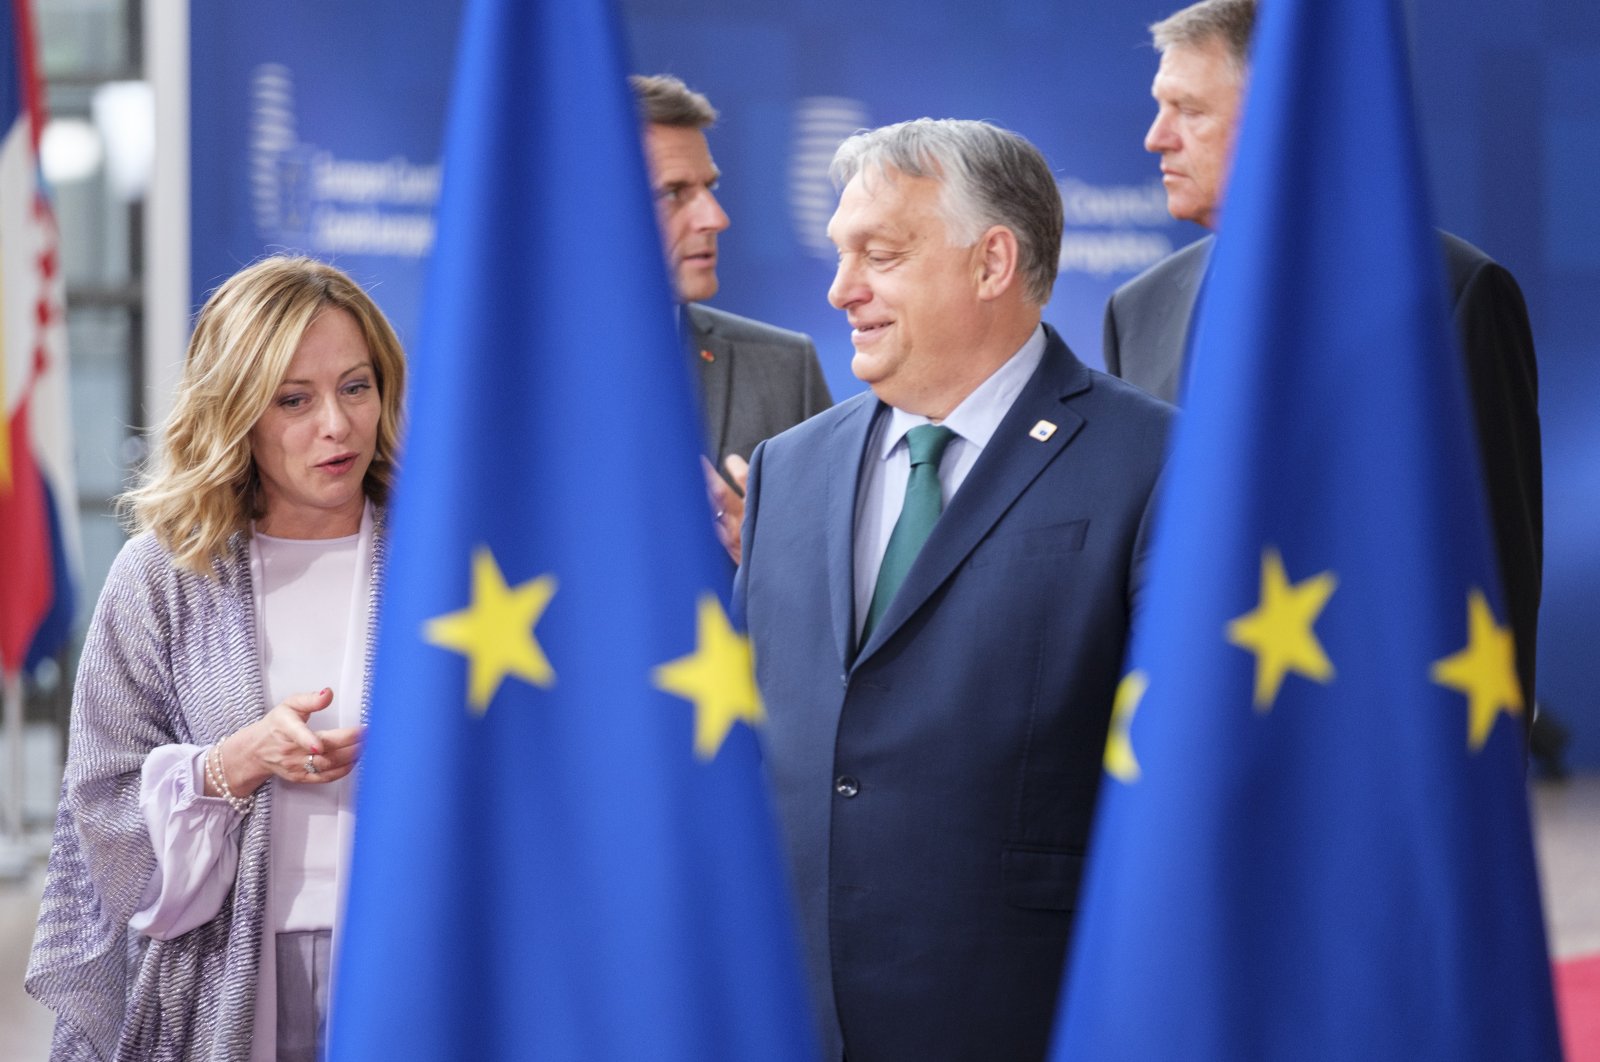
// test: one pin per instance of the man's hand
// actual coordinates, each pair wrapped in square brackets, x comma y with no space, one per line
[727,501]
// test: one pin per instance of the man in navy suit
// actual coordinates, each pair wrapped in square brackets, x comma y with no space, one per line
[1199,90]
[937,717]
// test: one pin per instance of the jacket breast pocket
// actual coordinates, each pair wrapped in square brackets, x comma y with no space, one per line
[1033,544]
[1041,878]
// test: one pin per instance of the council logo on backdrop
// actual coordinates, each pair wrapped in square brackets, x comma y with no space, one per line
[821,124]
[303,195]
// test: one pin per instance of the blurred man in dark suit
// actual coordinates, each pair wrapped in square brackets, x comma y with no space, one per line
[1199,91]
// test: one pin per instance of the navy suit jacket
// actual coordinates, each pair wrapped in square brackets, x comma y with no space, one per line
[1147,336]
[937,786]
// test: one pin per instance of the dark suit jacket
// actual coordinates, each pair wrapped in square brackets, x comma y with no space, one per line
[1147,335]
[936,787]
[754,380]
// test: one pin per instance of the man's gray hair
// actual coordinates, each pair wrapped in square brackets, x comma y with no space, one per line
[989,176]
[1229,21]
[665,100]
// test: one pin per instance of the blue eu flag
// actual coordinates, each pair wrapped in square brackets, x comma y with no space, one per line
[1314,841]
[564,849]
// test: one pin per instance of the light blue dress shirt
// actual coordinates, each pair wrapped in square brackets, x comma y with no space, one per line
[882,490]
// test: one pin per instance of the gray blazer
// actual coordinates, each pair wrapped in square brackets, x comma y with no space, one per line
[1147,321]
[1147,336]
[753,380]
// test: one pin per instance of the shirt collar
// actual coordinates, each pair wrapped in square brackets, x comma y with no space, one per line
[978,415]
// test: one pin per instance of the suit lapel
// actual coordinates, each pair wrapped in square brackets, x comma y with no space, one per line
[848,445]
[713,377]
[1011,461]
[1179,308]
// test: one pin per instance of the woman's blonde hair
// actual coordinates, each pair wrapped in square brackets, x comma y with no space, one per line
[201,485]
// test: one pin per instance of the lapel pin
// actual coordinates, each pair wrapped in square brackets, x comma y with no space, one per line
[706,355]
[1043,430]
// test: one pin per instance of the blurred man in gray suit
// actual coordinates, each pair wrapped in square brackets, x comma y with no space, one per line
[754,380]
[1199,92]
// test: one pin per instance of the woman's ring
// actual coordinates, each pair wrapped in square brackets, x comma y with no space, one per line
[311,765]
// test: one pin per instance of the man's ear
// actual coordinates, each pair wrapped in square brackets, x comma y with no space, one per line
[996,261]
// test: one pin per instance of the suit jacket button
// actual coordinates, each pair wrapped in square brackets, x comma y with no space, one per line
[846,786]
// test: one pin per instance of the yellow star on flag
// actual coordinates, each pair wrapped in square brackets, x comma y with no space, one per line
[1485,671]
[1279,630]
[717,677]
[1120,761]
[495,632]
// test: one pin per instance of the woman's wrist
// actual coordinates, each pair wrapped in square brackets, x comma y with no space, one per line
[217,782]
[242,775]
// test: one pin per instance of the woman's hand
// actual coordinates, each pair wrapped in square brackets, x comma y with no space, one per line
[282,744]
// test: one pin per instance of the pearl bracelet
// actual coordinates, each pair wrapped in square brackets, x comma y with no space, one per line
[219,781]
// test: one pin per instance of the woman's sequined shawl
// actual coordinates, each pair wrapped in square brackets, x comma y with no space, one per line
[170,658]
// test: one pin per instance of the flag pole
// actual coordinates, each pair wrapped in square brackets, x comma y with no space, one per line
[16,859]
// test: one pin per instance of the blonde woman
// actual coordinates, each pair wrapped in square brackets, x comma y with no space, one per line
[221,695]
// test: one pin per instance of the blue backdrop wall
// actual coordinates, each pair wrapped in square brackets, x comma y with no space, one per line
[317,127]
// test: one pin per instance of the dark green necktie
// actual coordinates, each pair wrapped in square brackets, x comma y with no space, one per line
[924,501]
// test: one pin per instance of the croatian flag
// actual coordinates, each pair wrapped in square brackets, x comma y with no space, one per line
[38,503]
